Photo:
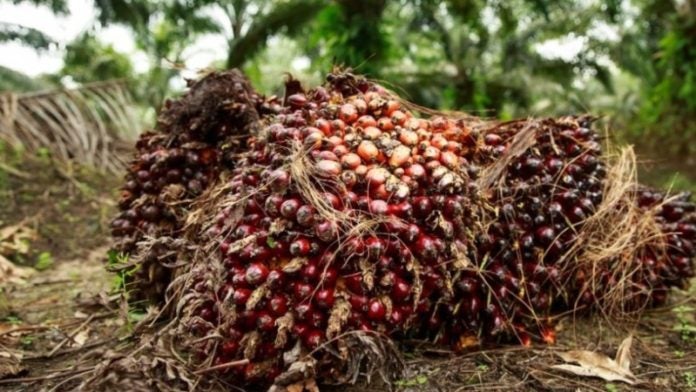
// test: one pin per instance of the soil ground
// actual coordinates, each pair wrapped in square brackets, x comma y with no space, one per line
[62,314]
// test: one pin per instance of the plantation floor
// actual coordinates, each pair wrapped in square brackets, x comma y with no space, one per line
[59,322]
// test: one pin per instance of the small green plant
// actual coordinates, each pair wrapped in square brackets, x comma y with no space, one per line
[684,326]
[611,387]
[12,320]
[114,259]
[44,154]
[483,368]
[133,317]
[271,242]
[679,353]
[690,379]
[420,379]
[27,341]
[44,261]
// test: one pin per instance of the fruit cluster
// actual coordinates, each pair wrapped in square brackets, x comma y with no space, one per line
[348,212]
[196,138]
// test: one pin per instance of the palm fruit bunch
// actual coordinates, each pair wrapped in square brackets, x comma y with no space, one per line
[341,210]
[196,138]
[350,213]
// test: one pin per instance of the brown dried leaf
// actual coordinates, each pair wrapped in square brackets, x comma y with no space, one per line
[295,264]
[368,273]
[592,364]
[81,338]
[623,354]
[10,273]
[256,296]
[339,315]
[249,343]
[240,244]
[284,324]
[303,386]
[10,364]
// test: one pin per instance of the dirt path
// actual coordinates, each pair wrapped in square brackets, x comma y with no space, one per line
[52,318]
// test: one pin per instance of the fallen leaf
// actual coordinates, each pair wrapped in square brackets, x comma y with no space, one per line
[10,273]
[80,315]
[10,364]
[81,338]
[303,386]
[592,364]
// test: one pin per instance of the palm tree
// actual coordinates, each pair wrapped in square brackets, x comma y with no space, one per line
[27,35]
[483,53]
[249,24]
[162,30]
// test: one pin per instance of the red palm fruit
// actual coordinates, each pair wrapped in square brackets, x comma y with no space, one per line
[289,208]
[329,276]
[278,305]
[311,271]
[376,310]
[354,283]
[401,290]
[359,302]
[264,321]
[256,273]
[325,298]
[326,231]
[302,290]
[367,151]
[275,279]
[229,348]
[305,215]
[425,247]
[297,100]
[350,161]
[312,338]
[300,247]
[241,296]
[422,207]
[375,247]
[397,317]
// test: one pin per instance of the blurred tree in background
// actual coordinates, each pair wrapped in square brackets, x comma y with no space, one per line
[89,60]
[668,110]
[163,30]
[13,32]
[633,62]
[27,35]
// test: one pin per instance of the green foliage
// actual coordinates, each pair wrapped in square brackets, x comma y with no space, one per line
[351,33]
[87,60]
[162,30]
[44,261]
[287,17]
[11,80]
[483,53]
[416,381]
[10,32]
[685,326]
[635,62]
[609,387]
[690,379]
[116,259]
[57,6]
[670,101]
[13,320]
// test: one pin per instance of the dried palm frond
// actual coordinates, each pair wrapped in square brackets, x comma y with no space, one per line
[92,124]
